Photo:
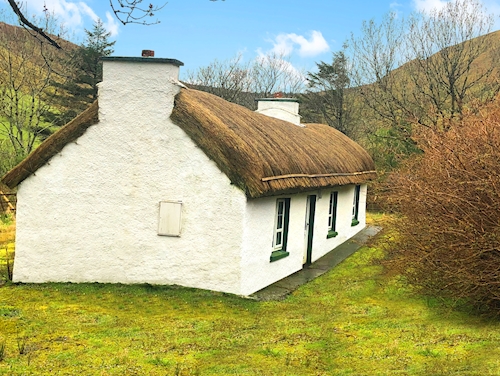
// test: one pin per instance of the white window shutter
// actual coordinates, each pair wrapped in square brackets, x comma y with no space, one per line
[170,218]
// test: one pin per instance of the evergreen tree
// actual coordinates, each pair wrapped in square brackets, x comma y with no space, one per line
[97,45]
[82,89]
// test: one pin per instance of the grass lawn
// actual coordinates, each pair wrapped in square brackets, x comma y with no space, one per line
[354,320]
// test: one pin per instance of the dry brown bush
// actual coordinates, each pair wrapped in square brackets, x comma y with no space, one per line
[449,201]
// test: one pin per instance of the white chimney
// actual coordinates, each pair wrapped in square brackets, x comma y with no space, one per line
[138,87]
[281,108]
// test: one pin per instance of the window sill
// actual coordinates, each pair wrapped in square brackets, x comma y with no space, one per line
[277,255]
[331,234]
[354,222]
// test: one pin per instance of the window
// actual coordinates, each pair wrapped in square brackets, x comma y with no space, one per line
[355,206]
[332,215]
[281,229]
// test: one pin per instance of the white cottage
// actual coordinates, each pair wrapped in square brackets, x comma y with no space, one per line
[166,185]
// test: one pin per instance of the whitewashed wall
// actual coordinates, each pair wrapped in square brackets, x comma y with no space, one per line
[91,214]
[322,245]
[257,270]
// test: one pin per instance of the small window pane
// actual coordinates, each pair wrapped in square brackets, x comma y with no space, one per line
[355,204]
[280,222]
[278,238]
[281,206]
[332,213]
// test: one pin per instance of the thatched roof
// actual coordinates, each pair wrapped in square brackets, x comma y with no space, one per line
[266,156]
[261,155]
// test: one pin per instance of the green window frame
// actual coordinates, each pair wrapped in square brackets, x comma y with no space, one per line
[280,237]
[332,215]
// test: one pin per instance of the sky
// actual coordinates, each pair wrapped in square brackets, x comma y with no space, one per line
[197,32]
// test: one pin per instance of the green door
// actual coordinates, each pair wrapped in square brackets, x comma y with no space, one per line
[310,211]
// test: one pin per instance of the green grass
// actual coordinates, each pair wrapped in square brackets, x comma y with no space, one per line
[7,235]
[4,133]
[354,320]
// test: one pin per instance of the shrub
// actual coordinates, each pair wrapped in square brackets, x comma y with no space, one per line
[449,201]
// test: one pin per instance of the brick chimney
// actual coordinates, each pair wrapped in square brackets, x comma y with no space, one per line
[148,53]
[281,108]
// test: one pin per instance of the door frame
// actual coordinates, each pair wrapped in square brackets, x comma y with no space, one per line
[309,227]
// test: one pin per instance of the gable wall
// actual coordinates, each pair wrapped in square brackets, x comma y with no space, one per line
[91,214]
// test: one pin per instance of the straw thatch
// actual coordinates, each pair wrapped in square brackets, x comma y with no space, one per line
[261,155]
[51,146]
[265,156]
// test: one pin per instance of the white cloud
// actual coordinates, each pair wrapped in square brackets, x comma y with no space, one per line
[394,6]
[111,24]
[427,6]
[491,7]
[88,11]
[72,14]
[285,44]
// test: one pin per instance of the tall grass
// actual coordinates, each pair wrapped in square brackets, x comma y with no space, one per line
[7,238]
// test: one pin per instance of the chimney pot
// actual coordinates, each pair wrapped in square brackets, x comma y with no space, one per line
[148,53]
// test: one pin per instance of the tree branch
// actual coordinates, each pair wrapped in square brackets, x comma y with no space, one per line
[26,22]
[124,11]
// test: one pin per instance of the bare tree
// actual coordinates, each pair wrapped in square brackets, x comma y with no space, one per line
[445,72]
[30,25]
[132,11]
[376,55]
[27,71]
[273,72]
[438,55]
[228,79]
[242,82]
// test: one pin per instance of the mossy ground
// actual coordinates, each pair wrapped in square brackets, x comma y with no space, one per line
[354,320]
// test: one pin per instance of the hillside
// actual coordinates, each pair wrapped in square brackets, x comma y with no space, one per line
[24,45]
[34,100]
[28,65]
[430,92]
[460,70]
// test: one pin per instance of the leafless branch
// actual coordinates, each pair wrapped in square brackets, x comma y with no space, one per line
[448,201]
[24,21]
[132,11]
